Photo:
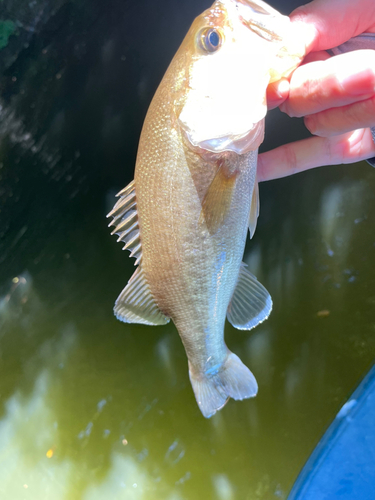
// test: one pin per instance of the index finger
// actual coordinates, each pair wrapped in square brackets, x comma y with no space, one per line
[315,152]
[335,82]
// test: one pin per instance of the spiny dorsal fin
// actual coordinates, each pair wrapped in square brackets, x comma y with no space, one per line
[254,209]
[135,304]
[125,220]
[251,304]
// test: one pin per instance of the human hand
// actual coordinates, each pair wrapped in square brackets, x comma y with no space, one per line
[336,95]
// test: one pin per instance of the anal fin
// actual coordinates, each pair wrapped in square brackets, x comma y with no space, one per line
[251,304]
[135,304]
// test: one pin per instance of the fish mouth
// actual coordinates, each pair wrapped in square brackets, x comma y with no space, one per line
[242,144]
[259,7]
[261,18]
[274,27]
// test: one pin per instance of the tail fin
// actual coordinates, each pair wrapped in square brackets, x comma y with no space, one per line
[233,380]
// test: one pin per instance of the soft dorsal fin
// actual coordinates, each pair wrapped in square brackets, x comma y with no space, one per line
[135,303]
[251,304]
[254,209]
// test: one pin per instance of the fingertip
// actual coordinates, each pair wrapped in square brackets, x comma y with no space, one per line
[310,124]
[283,88]
[305,29]
[277,93]
[323,25]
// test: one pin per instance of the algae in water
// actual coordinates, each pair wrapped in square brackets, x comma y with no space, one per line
[7,28]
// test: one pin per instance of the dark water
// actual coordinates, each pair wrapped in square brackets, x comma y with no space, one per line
[91,408]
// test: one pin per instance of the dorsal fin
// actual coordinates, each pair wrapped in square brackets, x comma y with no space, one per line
[251,304]
[125,220]
[135,304]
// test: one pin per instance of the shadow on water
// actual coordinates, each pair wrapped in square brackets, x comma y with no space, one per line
[91,408]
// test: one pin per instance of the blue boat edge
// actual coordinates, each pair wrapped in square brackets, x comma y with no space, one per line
[323,475]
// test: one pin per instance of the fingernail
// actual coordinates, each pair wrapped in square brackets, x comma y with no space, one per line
[282,88]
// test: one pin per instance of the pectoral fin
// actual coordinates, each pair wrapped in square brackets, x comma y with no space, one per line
[251,304]
[254,210]
[217,201]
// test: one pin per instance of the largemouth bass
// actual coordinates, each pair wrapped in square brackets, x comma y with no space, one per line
[186,215]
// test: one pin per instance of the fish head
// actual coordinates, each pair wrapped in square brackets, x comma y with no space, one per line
[231,53]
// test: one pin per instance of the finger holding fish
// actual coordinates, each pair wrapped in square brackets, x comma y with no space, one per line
[278,91]
[325,24]
[336,95]
[336,121]
[314,152]
[321,25]
[336,82]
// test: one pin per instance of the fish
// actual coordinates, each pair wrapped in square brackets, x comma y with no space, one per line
[186,215]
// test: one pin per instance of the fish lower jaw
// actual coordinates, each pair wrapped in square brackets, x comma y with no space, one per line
[239,144]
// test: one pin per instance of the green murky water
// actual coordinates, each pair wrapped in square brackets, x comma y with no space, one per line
[91,408]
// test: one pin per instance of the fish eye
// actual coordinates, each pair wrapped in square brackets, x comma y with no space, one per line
[210,39]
